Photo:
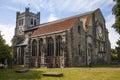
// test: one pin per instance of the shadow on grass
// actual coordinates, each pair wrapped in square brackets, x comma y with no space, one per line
[107,66]
[10,74]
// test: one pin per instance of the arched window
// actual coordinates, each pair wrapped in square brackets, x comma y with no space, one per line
[89,50]
[34,22]
[58,45]
[79,29]
[79,52]
[40,46]
[50,47]
[34,48]
[31,21]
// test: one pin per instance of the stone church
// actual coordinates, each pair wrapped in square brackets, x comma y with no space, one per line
[80,40]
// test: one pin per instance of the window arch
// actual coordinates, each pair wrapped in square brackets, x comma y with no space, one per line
[35,22]
[40,46]
[89,50]
[99,30]
[58,45]
[50,47]
[31,21]
[34,48]
[79,29]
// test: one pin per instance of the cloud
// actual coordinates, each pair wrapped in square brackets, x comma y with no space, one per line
[12,8]
[63,5]
[81,5]
[113,36]
[9,8]
[52,17]
[7,31]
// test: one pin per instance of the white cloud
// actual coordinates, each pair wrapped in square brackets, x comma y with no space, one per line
[11,8]
[52,17]
[113,36]
[81,5]
[7,31]
[63,5]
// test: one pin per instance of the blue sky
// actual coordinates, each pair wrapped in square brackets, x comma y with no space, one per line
[52,10]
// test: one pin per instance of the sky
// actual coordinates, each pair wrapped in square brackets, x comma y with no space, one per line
[53,10]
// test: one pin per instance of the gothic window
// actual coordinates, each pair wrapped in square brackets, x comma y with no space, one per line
[20,22]
[102,46]
[40,46]
[99,30]
[34,22]
[89,49]
[31,21]
[79,29]
[34,48]
[79,50]
[58,45]
[50,47]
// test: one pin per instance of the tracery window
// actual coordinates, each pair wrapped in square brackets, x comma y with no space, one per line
[40,46]
[79,52]
[35,22]
[50,47]
[58,45]
[21,21]
[34,48]
[79,29]
[31,21]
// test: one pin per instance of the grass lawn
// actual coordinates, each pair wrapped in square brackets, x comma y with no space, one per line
[84,73]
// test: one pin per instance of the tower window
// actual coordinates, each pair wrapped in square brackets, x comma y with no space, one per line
[20,22]
[34,22]
[31,21]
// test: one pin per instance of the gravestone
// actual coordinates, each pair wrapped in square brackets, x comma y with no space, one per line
[54,74]
[22,70]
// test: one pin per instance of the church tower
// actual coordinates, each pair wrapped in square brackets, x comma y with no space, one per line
[25,21]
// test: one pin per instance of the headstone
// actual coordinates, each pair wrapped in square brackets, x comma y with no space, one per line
[5,63]
[22,70]
[54,74]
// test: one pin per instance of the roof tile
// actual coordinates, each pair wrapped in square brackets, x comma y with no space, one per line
[53,27]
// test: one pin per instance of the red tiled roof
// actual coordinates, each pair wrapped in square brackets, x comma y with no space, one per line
[53,27]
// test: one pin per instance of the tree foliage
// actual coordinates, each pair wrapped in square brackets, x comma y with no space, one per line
[114,54]
[116,12]
[5,52]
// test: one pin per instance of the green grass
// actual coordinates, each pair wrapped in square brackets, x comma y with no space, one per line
[84,73]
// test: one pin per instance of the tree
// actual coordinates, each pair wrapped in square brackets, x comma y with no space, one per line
[5,52]
[116,12]
[114,54]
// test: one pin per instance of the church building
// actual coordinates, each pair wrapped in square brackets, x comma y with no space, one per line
[79,40]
